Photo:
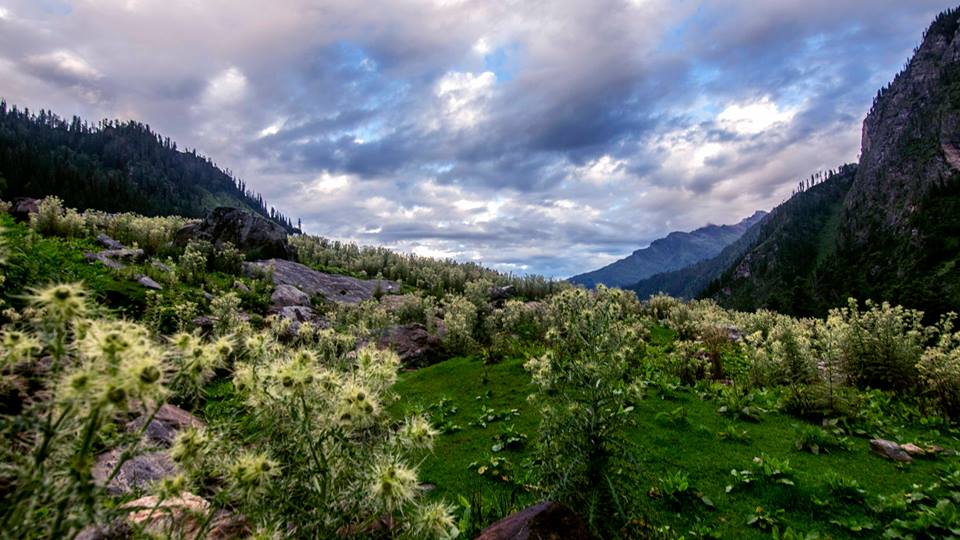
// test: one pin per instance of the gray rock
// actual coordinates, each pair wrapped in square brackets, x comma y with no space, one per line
[118,530]
[136,473]
[413,343]
[149,283]
[162,267]
[544,521]
[890,450]
[287,295]
[132,254]
[108,242]
[241,287]
[23,207]
[499,295]
[253,234]
[104,260]
[298,314]
[332,287]
[166,424]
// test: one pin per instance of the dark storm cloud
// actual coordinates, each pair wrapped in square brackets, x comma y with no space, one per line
[549,137]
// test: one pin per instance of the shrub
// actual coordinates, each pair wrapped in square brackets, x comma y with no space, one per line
[879,347]
[582,379]
[460,321]
[939,369]
[192,266]
[345,464]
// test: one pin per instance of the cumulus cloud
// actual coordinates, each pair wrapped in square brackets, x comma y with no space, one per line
[533,137]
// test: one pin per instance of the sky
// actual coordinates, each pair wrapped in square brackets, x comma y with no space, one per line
[531,136]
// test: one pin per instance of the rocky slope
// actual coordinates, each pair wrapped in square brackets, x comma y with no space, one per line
[896,235]
[676,250]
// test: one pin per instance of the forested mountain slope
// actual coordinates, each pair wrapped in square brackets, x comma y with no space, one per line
[676,250]
[113,166]
[897,235]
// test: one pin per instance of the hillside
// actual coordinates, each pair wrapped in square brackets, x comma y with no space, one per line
[113,166]
[896,235]
[676,250]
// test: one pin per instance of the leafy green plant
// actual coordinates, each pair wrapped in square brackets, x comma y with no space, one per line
[489,415]
[815,439]
[765,520]
[736,402]
[676,417]
[509,439]
[675,488]
[767,469]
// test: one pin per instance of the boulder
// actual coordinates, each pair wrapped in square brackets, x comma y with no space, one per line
[332,287]
[108,242]
[23,207]
[185,517]
[544,521]
[136,473]
[890,450]
[287,295]
[413,343]
[123,253]
[149,283]
[165,425]
[106,261]
[499,295]
[253,234]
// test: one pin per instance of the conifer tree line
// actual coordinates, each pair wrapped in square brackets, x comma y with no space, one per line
[114,166]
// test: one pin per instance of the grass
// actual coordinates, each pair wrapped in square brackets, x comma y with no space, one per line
[664,448]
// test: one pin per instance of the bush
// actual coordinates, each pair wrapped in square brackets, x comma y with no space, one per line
[582,381]
[460,321]
[879,347]
[939,369]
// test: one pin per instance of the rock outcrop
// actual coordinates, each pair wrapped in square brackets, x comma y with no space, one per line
[332,287]
[544,521]
[253,234]
[413,343]
[23,207]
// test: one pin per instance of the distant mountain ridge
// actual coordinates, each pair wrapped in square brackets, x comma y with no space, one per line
[114,166]
[676,250]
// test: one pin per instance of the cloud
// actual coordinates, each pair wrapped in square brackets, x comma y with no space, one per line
[542,137]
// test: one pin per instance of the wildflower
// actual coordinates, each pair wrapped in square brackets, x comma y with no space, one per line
[434,520]
[189,447]
[357,408]
[19,346]
[251,471]
[61,302]
[417,433]
[393,484]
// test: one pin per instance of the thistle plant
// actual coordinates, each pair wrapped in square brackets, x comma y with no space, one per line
[594,352]
[345,465]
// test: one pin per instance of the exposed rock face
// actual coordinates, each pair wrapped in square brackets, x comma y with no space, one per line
[287,295]
[108,242]
[165,425]
[137,472]
[23,207]
[333,288]
[544,521]
[890,450]
[251,233]
[413,343]
[149,283]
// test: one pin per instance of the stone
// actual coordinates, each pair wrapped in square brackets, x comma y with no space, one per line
[118,530]
[160,266]
[499,295]
[287,295]
[23,207]
[240,286]
[890,450]
[184,517]
[332,287]
[413,343]
[149,283]
[132,254]
[108,242]
[299,314]
[136,473]
[106,261]
[166,424]
[913,450]
[544,521]
[252,234]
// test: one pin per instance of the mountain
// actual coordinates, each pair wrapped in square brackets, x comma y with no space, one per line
[113,166]
[689,281]
[676,250]
[895,235]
